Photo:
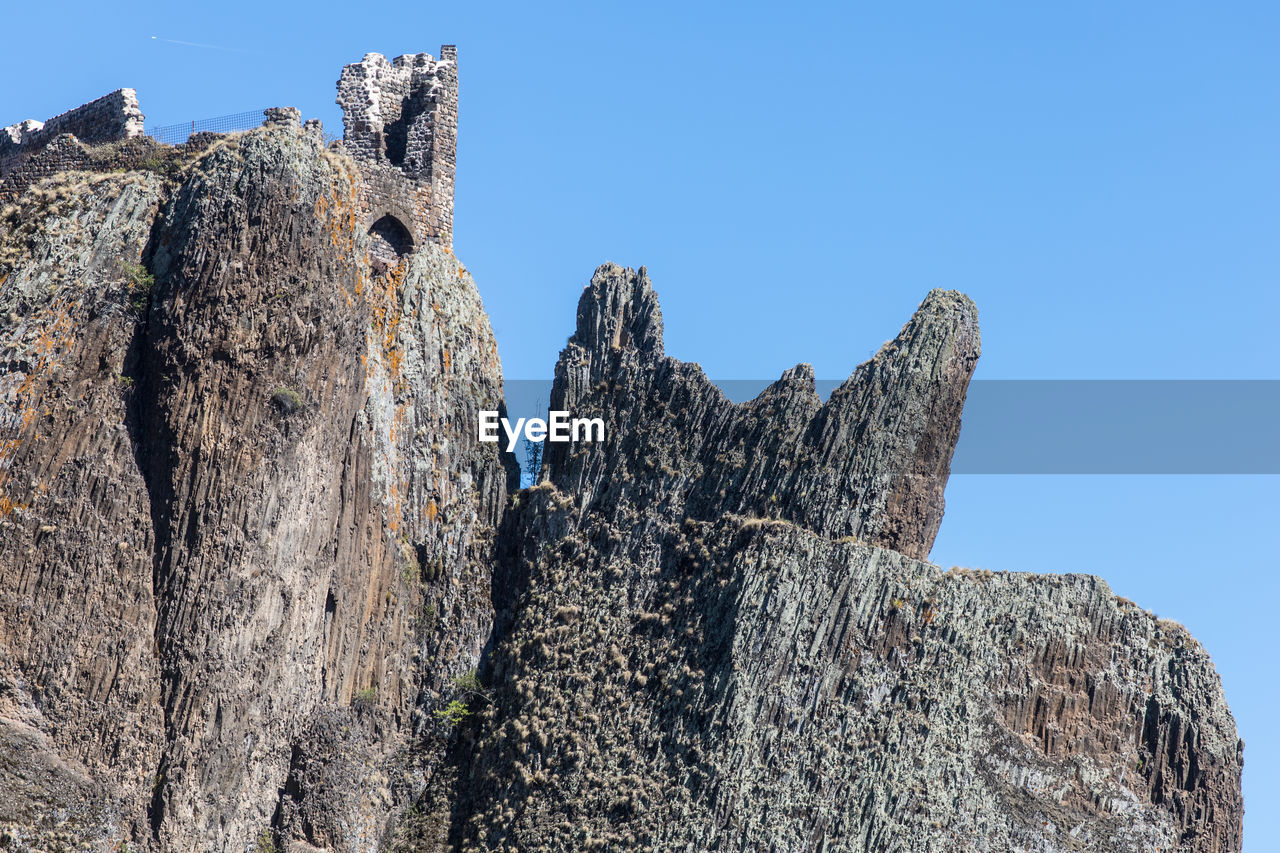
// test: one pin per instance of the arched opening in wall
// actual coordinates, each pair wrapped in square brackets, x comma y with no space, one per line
[389,240]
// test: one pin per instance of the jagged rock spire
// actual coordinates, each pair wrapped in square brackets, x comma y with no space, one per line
[872,462]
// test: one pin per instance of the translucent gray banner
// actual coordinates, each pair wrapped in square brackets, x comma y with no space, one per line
[1083,426]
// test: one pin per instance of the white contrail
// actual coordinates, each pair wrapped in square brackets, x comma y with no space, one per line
[198,44]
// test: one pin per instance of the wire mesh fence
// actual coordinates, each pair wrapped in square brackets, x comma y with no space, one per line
[177,134]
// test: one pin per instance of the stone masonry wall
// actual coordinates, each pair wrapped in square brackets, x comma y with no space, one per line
[401,126]
[66,153]
[444,142]
[400,120]
[31,150]
[110,118]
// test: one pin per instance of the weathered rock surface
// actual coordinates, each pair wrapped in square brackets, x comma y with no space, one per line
[716,637]
[247,524]
[250,547]
[79,679]
[872,462]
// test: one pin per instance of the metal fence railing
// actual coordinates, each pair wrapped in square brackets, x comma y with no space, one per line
[177,134]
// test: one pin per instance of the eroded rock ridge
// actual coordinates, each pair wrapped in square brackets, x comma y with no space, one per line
[718,633]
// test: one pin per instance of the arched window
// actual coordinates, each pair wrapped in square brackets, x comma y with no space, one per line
[390,240]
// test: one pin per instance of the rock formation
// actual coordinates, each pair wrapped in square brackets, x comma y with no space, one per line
[246,524]
[262,588]
[716,633]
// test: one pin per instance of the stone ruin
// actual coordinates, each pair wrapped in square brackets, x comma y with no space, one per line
[400,121]
[31,150]
[108,119]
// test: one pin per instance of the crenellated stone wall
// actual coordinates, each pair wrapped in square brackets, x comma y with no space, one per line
[400,122]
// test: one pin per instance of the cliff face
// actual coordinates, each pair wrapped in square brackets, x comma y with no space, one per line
[246,533]
[250,546]
[716,636]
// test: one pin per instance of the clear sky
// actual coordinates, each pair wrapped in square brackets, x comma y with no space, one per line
[1102,178]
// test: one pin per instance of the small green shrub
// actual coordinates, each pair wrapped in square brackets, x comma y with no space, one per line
[266,843]
[452,714]
[468,682]
[366,697]
[287,400]
[141,282]
[155,163]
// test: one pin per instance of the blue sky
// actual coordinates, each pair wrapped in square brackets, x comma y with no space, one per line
[1103,179]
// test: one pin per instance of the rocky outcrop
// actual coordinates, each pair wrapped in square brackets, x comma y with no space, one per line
[717,634]
[261,587]
[247,524]
[872,462]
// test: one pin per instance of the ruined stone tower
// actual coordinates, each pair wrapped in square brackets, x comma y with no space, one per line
[401,125]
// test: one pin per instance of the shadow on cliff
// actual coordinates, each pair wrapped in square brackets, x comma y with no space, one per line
[152,440]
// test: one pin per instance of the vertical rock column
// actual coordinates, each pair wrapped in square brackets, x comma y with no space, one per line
[80,719]
[319,500]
